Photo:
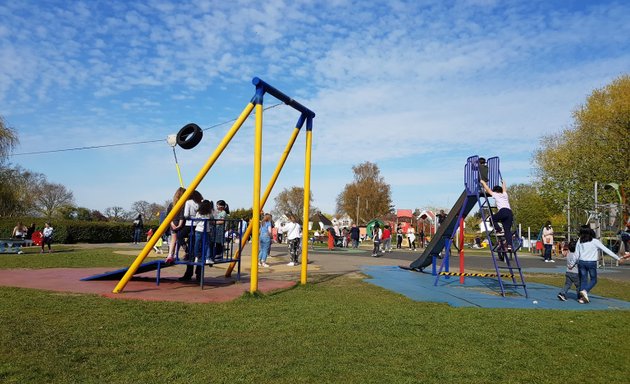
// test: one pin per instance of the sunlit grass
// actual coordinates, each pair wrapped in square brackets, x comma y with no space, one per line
[339,329]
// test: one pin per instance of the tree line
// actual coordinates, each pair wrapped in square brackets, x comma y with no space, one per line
[594,148]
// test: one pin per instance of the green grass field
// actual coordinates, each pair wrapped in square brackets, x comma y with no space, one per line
[336,329]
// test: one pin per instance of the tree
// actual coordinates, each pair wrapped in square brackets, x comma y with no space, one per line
[594,149]
[51,198]
[115,213]
[368,195]
[8,140]
[241,213]
[530,208]
[291,201]
[97,215]
[18,190]
[148,210]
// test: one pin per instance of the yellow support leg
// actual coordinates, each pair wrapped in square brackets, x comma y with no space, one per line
[255,222]
[307,196]
[263,200]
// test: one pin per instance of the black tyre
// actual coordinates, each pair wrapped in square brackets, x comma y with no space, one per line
[189,136]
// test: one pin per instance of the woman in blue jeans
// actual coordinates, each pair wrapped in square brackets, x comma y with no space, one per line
[265,241]
[587,251]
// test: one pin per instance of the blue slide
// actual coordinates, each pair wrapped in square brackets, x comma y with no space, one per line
[444,231]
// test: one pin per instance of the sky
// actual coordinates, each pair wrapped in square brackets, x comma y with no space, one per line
[413,86]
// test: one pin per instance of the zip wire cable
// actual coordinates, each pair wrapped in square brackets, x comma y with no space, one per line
[123,144]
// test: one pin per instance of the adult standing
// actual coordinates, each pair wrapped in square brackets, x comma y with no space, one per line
[30,232]
[547,237]
[265,240]
[587,253]
[137,229]
[354,236]
[292,230]
[504,216]
[47,237]
[331,238]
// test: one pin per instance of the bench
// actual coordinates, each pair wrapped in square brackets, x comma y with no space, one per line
[14,245]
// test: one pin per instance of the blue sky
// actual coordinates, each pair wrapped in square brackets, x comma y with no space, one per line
[414,86]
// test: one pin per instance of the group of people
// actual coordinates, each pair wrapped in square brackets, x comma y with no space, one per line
[199,229]
[21,231]
[293,231]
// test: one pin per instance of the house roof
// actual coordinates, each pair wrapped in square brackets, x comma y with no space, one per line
[322,219]
[404,213]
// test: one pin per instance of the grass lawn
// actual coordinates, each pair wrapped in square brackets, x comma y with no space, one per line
[334,330]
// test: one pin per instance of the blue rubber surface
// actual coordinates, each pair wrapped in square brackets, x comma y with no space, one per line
[480,292]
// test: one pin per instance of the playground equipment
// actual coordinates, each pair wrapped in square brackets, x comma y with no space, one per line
[448,230]
[306,116]
[226,255]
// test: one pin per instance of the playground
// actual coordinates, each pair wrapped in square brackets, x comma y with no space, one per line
[338,327]
[119,313]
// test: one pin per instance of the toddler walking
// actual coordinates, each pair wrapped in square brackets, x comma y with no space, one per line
[572,275]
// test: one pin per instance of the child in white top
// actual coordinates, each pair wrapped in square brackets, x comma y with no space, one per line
[504,215]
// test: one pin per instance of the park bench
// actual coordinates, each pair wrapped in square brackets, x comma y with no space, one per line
[14,245]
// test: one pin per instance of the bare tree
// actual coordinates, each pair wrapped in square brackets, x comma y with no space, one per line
[115,213]
[51,197]
[143,208]
[291,201]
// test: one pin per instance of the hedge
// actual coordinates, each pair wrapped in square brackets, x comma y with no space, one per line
[74,231]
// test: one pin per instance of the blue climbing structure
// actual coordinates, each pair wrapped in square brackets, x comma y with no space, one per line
[505,259]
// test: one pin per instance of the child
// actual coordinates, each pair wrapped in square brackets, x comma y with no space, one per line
[572,276]
[158,246]
[202,229]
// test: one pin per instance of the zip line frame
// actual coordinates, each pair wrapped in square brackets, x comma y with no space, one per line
[258,203]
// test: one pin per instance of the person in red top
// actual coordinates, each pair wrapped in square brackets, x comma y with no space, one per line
[387,239]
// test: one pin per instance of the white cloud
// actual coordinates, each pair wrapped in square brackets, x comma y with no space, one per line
[407,82]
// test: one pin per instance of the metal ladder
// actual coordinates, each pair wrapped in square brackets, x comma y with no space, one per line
[496,243]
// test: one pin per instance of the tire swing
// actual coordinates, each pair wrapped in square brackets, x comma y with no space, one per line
[189,136]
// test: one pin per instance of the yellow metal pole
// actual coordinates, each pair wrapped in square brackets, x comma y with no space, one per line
[307,198]
[162,228]
[255,222]
[265,196]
